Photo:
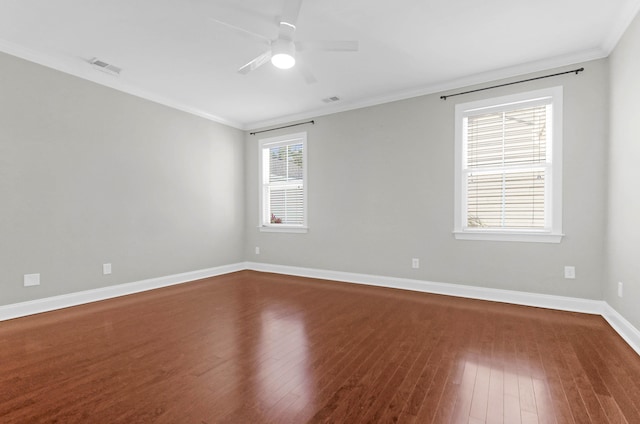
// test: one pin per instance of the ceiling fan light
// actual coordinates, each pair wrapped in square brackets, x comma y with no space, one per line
[283,53]
[283,60]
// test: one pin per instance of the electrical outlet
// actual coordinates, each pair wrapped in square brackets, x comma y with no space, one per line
[570,272]
[257,250]
[619,288]
[31,280]
[415,263]
[106,269]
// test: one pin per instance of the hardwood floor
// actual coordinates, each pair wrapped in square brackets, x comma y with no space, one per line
[252,347]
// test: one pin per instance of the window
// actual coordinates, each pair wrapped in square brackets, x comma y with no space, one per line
[283,179]
[509,168]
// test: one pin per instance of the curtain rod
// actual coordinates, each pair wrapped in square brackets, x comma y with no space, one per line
[286,126]
[511,83]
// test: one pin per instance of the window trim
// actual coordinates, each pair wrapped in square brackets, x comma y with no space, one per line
[553,219]
[282,140]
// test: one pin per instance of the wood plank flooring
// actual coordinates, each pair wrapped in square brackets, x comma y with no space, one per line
[253,347]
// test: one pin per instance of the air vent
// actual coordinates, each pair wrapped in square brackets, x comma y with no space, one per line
[331,99]
[105,67]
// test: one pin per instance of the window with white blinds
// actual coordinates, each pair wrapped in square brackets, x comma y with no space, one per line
[283,182]
[508,166]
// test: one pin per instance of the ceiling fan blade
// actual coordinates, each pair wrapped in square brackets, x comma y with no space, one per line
[306,73]
[291,12]
[329,46]
[255,63]
[240,30]
[237,15]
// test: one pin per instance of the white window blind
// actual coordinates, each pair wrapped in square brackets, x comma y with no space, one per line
[283,197]
[509,167]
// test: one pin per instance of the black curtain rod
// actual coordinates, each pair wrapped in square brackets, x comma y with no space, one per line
[286,126]
[511,83]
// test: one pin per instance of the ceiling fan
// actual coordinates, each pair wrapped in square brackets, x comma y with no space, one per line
[282,50]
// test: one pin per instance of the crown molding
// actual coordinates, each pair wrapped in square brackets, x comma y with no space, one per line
[456,84]
[80,67]
[626,15]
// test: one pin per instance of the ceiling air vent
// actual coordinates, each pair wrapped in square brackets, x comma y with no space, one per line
[105,67]
[331,99]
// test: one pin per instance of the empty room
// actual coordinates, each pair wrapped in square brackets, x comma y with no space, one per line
[297,211]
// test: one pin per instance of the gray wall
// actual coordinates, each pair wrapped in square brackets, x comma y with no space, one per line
[381,192]
[623,254]
[90,175]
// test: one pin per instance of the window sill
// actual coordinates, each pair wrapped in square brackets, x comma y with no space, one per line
[282,229]
[522,236]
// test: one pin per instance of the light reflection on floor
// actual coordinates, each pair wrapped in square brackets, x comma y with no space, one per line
[285,369]
[492,390]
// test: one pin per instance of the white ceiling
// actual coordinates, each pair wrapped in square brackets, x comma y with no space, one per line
[174,52]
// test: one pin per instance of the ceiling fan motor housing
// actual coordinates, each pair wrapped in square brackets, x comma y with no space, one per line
[283,53]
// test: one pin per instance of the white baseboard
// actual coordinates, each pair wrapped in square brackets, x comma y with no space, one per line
[572,304]
[627,331]
[597,307]
[562,303]
[37,306]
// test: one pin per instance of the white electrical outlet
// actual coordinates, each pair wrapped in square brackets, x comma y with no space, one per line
[415,263]
[106,269]
[257,250]
[31,280]
[570,272]
[619,288]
